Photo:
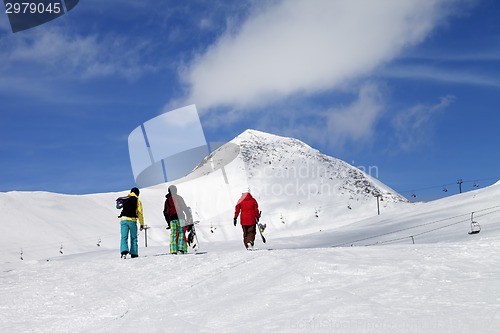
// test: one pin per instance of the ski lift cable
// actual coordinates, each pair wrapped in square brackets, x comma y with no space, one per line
[431,230]
[447,185]
[425,188]
[445,226]
[415,235]
[400,230]
[389,241]
[421,225]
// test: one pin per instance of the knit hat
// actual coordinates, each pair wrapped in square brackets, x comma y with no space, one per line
[172,189]
[135,190]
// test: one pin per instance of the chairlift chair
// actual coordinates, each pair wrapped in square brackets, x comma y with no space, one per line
[475,228]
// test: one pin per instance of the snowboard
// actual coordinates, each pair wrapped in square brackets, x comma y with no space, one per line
[261,230]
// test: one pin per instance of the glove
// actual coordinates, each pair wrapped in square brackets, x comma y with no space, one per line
[235,221]
[141,228]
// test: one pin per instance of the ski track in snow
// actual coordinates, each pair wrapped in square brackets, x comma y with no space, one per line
[419,288]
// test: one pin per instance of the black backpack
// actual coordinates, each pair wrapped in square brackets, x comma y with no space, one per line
[128,205]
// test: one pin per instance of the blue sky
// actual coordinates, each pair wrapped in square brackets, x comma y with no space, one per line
[409,90]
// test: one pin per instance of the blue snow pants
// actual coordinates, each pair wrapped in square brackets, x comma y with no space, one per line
[129,227]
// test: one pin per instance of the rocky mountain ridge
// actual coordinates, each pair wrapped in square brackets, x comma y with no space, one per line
[291,161]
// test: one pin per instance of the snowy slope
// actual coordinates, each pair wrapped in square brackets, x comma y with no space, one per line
[292,182]
[445,220]
[313,274]
[447,287]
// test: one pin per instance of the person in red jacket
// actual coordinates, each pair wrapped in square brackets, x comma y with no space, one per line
[249,209]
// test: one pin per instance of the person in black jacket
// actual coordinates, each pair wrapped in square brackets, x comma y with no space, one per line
[176,214]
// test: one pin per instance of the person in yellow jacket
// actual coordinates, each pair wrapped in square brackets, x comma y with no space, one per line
[131,212]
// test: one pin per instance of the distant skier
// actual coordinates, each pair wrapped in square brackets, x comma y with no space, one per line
[132,210]
[249,209]
[176,213]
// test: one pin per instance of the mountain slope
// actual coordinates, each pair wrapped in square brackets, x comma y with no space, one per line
[291,181]
[445,220]
[303,195]
[299,191]
[270,158]
[317,275]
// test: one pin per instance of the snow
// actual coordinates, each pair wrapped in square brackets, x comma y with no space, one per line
[347,270]
[421,288]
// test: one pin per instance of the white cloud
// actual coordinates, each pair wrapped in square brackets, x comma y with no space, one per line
[335,127]
[74,55]
[356,122]
[460,76]
[413,127]
[298,46]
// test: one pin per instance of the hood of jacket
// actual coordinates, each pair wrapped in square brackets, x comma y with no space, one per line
[245,196]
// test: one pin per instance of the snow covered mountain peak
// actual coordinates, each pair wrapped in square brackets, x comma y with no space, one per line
[291,181]
[250,136]
[282,159]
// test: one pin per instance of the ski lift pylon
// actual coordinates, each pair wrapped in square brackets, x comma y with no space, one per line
[475,228]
